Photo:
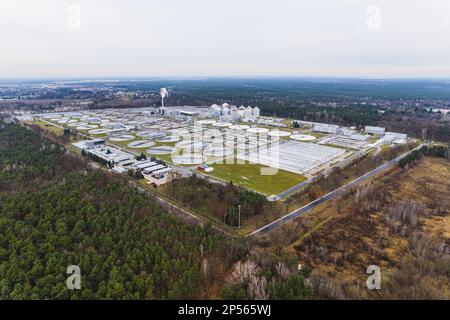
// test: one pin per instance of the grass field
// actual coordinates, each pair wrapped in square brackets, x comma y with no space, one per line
[341,230]
[48,127]
[249,175]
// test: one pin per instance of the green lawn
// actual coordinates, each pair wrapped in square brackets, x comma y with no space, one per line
[249,175]
[47,127]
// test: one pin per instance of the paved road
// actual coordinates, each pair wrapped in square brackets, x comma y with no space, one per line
[294,214]
[333,194]
[296,187]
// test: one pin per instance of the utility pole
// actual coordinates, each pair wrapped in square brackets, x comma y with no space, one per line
[239,225]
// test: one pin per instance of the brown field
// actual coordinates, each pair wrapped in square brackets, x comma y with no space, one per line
[344,237]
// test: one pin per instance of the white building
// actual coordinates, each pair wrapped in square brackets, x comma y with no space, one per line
[326,128]
[271,122]
[215,110]
[346,131]
[234,110]
[375,130]
[225,110]
[359,137]
[256,112]
[241,112]
[248,112]
[394,137]
[158,174]
[109,154]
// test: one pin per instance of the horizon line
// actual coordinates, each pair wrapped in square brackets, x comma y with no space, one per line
[204,77]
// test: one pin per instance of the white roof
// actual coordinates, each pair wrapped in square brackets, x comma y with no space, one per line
[119,169]
[165,170]
[144,165]
[371,128]
[154,168]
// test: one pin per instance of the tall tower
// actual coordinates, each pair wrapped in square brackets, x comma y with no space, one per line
[163,93]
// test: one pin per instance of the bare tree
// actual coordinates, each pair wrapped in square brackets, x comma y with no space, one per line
[246,273]
[257,288]
[421,244]
[323,287]
[407,212]
[282,271]
[243,272]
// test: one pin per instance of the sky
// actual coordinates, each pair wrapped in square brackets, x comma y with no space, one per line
[113,38]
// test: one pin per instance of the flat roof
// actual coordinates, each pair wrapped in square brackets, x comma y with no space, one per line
[145,165]
[165,170]
[154,168]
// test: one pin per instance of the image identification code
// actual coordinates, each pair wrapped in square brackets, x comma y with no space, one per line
[227,309]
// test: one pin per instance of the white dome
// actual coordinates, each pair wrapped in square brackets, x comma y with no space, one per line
[215,107]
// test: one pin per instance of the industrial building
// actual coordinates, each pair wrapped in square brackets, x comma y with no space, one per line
[228,112]
[394,137]
[98,149]
[375,130]
[325,128]
[188,138]
[293,156]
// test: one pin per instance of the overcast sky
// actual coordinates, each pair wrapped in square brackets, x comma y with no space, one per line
[58,38]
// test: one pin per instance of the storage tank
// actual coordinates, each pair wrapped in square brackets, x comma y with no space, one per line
[215,109]
[241,112]
[248,112]
[225,110]
[256,112]
[234,110]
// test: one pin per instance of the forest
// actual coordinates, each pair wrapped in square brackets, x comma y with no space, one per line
[354,115]
[415,155]
[55,212]
[418,124]
[220,201]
